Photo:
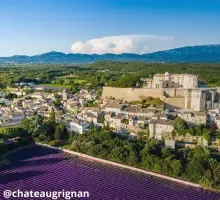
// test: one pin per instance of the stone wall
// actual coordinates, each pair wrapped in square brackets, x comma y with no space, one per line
[173,97]
[174,92]
[180,92]
[174,103]
[131,94]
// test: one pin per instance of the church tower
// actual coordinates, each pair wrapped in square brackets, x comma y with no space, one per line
[65,95]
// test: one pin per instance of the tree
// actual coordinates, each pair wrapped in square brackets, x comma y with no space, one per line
[165,152]
[201,154]
[11,96]
[52,117]
[216,175]
[143,134]
[60,81]
[206,135]
[198,130]
[62,128]
[179,125]
[37,127]
[92,126]
[71,136]
[150,147]
[101,119]
[52,120]
[207,179]
[54,143]
[12,131]
[57,133]
[25,123]
[71,82]
[195,170]
[99,93]
[132,159]
[116,153]
[73,90]
[57,102]
[191,131]
[176,167]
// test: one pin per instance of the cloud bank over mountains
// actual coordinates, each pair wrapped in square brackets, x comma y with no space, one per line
[138,44]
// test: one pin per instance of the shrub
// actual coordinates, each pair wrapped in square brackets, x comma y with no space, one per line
[55,143]
[11,132]
[25,142]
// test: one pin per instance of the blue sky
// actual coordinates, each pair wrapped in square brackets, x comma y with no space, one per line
[35,26]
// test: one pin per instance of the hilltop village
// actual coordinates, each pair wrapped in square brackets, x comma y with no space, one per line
[175,108]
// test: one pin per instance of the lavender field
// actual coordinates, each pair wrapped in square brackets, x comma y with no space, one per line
[45,169]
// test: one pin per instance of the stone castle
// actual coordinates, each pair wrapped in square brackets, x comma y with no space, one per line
[168,80]
[178,91]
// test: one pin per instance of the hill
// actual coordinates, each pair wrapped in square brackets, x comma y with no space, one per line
[203,53]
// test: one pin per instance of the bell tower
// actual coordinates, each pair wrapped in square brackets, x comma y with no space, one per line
[65,95]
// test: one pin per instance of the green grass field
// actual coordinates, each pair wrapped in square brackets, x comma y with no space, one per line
[79,81]
[65,85]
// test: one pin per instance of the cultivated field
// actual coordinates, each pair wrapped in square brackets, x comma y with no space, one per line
[44,169]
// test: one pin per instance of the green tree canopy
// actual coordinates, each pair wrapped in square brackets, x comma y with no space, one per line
[179,125]
[36,126]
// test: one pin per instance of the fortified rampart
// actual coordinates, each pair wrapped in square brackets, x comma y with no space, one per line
[172,97]
[131,94]
[173,92]
[174,103]
[198,99]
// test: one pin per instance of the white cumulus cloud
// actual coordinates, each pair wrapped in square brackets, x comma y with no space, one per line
[138,44]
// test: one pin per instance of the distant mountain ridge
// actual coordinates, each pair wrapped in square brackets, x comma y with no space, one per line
[202,53]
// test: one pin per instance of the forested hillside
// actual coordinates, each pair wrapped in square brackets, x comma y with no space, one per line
[203,53]
[99,74]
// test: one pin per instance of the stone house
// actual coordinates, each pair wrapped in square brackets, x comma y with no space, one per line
[90,117]
[11,118]
[108,116]
[159,127]
[114,107]
[193,118]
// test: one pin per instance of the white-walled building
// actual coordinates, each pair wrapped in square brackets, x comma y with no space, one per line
[11,118]
[77,125]
[168,80]
[204,99]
